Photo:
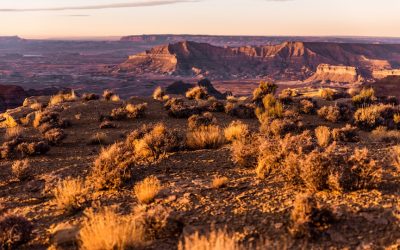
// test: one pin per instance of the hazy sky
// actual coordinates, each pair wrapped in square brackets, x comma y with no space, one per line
[70,18]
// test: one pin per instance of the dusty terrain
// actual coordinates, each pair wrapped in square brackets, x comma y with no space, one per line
[248,207]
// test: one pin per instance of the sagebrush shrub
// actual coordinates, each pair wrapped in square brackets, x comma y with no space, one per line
[308,218]
[21,169]
[271,108]
[215,240]
[90,97]
[382,134]
[205,137]
[279,127]
[60,98]
[360,171]
[239,110]
[205,119]
[375,115]
[366,96]
[307,106]
[336,113]
[136,111]
[99,139]
[14,231]
[244,151]
[197,93]
[70,194]
[147,189]
[265,88]
[345,134]
[33,148]
[13,133]
[159,94]
[327,94]
[54,136]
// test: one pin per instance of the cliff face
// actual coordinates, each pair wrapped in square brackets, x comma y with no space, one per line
[380,74]
[331,73]
[286,61]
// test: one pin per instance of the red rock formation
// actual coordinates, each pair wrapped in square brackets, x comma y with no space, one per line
[332,73]
[286,61]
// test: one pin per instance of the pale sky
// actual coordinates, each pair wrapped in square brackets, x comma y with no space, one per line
[74,18]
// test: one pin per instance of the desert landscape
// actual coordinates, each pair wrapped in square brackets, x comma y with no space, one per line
[178,140]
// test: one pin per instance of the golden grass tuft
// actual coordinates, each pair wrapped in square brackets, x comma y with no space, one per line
[236,130]
[323,135]
[205,137]
[215,240]
[159,94]
[108,230]
[219,182]
[148,189]
[70,194]
[60,98]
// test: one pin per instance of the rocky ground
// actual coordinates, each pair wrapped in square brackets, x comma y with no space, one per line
[249,207]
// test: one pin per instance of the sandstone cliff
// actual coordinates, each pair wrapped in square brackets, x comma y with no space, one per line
[380,74]
[332,73]
[286,61]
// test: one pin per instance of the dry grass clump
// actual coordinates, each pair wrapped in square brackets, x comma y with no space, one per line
[109,230]
[90,97]
[219,182]
[382,134]
[13,133]
[14,231]
[205,119]
[177,108]
[70,194]
[21,169]
[46,120]
[375,115]
[99,139]
[327,94]
[366,96]
[345,134]
[54,136]
[215,240]
[336,113]
[239,110]
[353,91]
[308,218]
[148,189]
[36,106]
[159,94]
[33,148]
[396,119]
[270,108]
[197,93]
[236,130]
[205,137]
[307,106]
[60,98]
[323,135]
[265,88]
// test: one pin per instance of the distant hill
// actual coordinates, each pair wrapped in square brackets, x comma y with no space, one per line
[285,61]
[251,40]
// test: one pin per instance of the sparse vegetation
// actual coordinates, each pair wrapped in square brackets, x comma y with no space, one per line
[205,137]
[327,94]
[264,89]
[205,119]
[365,97]
[60,98]
[70,194]
[219,182]
[148,189]
[323,135]
[21,169]
[109,230]
[236,130]
[14,231]
[159,94]
[375,115]
[339,112]
[308,218]
[99,139]
[345,134]
[54,136]
[216,240]
[245,151]
[197,93]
